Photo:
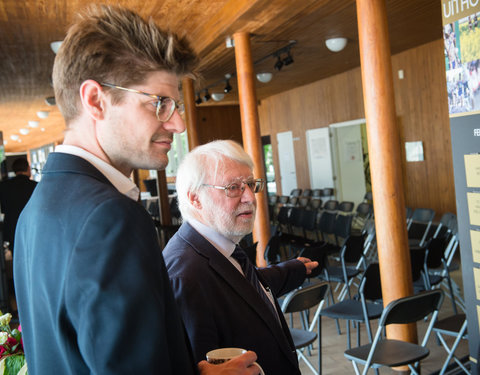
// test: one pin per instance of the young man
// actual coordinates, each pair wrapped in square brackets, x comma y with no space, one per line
[221,304]
[91,284]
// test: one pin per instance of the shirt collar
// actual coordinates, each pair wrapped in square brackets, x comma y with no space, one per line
[221,243]
[122,183]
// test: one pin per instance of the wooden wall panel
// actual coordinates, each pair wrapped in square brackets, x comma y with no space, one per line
[421,105]
[219,122]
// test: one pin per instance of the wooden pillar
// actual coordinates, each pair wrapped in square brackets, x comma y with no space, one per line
[190,112]
[163,203]
[385,158]
[251,135]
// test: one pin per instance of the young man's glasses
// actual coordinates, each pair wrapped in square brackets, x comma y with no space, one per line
[164,105]
[236,189]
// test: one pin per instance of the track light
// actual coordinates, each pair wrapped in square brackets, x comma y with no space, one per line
[289,59]
[199,99]
[227,88]
[207,96]
[279,64]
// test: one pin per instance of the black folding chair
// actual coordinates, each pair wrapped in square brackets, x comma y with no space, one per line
[393,353]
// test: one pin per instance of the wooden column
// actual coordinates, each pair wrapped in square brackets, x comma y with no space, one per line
[190,112]
[163,203]
[385,158]
[251,135]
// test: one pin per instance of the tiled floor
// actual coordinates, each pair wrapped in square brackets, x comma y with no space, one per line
[333,346]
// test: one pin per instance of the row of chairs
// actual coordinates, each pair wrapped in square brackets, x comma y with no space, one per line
[367,305]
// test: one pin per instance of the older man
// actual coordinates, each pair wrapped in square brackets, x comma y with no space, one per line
[224,301]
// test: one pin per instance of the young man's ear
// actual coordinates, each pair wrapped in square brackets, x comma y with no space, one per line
[194,200]
[92,97]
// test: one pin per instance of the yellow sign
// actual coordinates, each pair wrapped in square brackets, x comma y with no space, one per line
[476,276]
[473,200]
[472,170]
[453,10]
[475,239]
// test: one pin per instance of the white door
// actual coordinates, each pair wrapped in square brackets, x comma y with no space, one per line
[319,158]
[286,158]
[348,166]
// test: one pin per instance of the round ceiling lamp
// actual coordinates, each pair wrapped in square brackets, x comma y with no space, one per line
[14,137]
[33,124]
[217,96]
[336,44]
[264,77]
[42,114]
[55,46]
[24,131]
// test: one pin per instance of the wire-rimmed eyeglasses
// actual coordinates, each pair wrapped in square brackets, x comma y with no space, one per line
[164,105]
[236,189]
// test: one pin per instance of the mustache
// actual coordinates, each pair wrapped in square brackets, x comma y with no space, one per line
[163,137]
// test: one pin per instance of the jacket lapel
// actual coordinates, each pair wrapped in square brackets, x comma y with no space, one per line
[225,270]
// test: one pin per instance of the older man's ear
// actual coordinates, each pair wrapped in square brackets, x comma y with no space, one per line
[194,200]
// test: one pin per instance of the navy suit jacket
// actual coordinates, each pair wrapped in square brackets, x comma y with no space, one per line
[91,284]
[220,308]
[14,195]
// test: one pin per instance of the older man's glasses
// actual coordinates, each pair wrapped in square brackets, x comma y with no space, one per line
[164,105]
[236,189]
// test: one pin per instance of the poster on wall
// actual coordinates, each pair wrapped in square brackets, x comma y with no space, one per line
[461,33]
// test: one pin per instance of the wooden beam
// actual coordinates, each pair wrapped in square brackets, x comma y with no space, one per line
[385,158]
[251,135]
[190,112]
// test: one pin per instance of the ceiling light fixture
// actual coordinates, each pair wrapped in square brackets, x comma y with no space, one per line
[264,77]
[199,99]
[217,96]
[279,64]
[227,88]
[33,124]
[55,46]
[289,59]
[24,131]
[336,44]
[42,114]
[50,100]
[14,137]
[207,96]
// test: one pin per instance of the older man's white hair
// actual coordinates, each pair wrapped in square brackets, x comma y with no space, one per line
[201,162]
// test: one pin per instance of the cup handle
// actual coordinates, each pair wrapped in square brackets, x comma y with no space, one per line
[261,369]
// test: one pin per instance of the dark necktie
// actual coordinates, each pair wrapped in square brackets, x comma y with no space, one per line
[251,275]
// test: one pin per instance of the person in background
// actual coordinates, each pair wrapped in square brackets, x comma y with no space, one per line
[14,195]
[224,300]
[91,284]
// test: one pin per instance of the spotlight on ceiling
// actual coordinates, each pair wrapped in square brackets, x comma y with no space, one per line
[336,44]
[264,77]
[55,46]
[198,100]
[33,124]
[24,131]
[289,59]
[42,114]
[227,88]
[207,96]
[50,100]
[217,96]
[14,137]
[279,64]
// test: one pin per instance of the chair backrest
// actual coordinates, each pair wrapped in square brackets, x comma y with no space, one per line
[317,193]
[364,209]
[272,250]
[413,308]
[417,259]
[295,192]
[331,205]
[343,226]
[371,283]
[272,199]
[327,192]
[315,204]
[309,220]
[303,201]
[307,193]
[283,199]
[435,251]
[368,197]
[346,206]
[305,298]
[420,223]
[326,223]
[353,248]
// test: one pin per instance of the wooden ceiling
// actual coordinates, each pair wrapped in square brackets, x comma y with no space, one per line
[28,28]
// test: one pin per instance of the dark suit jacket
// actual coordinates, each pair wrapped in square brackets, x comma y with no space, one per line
[14,195]
[91,284]
[220,308]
